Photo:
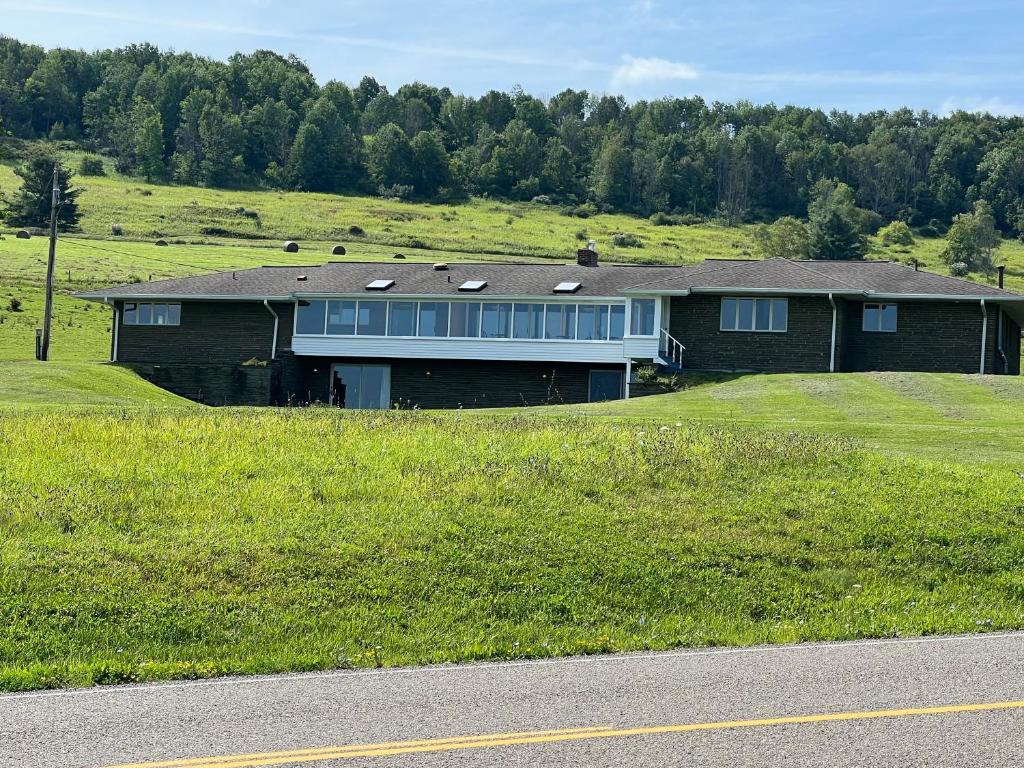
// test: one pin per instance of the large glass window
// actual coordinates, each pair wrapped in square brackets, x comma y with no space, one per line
[403,318]
[747,314]
[618,322]
[880,318]
[341,318]
[593,322]
[465,319]
[560,322]
[497,321]
[433,318]
[641,320]
[310,317]
[151,314]
[529,321]
[372,318]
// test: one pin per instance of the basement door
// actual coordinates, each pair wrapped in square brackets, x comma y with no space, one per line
[361,386]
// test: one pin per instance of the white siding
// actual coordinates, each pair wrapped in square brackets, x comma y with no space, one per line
[476,349]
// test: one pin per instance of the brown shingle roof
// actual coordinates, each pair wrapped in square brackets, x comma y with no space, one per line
[539,280]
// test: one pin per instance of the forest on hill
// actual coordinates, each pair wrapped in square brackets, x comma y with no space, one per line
[262,120]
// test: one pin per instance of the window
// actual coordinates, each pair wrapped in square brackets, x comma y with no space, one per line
[593,322]
[402,318]
[880,318]
[151,314]
[433,318]
[473,285]
[769,315]
[641,320]
[379,285]
[618,322]
[497,321]
[341,318]
[528,322]
[465,319]
[310,317]
[560,322]
[372,318]
[567,287]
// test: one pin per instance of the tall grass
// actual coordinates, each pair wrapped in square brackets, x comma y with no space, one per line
[147,545]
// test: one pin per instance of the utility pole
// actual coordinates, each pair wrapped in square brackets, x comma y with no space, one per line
[44,347]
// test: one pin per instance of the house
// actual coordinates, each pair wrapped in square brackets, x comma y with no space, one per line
[379,335]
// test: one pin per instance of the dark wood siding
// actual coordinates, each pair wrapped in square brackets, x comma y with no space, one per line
[930,336]
[223,333]
[460,383]
[695,321]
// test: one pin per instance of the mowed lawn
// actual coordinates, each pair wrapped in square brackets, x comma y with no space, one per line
[945,416]
[143,545]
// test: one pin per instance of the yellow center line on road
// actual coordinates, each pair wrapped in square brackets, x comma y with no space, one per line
[387,749]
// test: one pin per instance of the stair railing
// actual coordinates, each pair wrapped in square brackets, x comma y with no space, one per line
[673,349]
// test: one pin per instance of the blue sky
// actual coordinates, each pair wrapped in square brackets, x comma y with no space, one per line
[872,54]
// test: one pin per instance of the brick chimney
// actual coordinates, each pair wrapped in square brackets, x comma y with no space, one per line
[587,257]
[1001,269]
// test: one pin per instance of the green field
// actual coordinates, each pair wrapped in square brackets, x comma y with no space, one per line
[145,545]
[143,537]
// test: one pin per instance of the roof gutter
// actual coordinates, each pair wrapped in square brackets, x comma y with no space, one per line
[277,320]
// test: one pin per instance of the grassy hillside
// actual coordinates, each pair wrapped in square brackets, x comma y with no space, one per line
[219,230]
[61,384]
[948,417]
[147,545]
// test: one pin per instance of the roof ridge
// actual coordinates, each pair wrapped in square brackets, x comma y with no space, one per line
[817,274]
[698,270]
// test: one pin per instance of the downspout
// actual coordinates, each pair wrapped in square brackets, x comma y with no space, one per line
[984,335]
[999,341]
[629,375]
[273,343]
[832,355]
[117,327]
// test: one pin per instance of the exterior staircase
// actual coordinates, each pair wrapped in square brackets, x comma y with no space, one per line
[670,352]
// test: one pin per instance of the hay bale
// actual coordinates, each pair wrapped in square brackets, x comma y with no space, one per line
[399,256]
[291,246]
[22,235]
[338,250]
[160,243]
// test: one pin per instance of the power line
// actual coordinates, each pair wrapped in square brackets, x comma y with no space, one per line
[138,255]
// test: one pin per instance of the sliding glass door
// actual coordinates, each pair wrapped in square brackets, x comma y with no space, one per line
[361,386]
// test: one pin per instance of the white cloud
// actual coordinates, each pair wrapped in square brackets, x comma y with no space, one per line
[637,71]
[993,106]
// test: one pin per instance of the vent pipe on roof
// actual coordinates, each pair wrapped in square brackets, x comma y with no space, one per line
[1001,269]
[587,257]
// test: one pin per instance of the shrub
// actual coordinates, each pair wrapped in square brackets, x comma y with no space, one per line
[584,211]
[959,269]
[581,235]
[397,192]
[896,233]
[356,231]
[116,229]
[542,200]
[417,244]
[928,231]
[691,219]
[14,305]
[91,166]
[627,240]
[939,226]
[786,238]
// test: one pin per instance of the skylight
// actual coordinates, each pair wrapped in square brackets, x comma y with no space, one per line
[567,287]
[473,285]
[380,285]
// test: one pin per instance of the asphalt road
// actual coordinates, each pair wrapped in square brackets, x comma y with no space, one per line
[928,702]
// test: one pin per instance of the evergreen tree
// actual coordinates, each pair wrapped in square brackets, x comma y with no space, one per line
[30,205]
[832,223]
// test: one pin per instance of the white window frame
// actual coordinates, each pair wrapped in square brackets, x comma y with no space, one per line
[152,313]
[880,306]
[753,329]
[607,305]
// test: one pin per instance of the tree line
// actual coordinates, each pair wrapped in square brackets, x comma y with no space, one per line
[261,119]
